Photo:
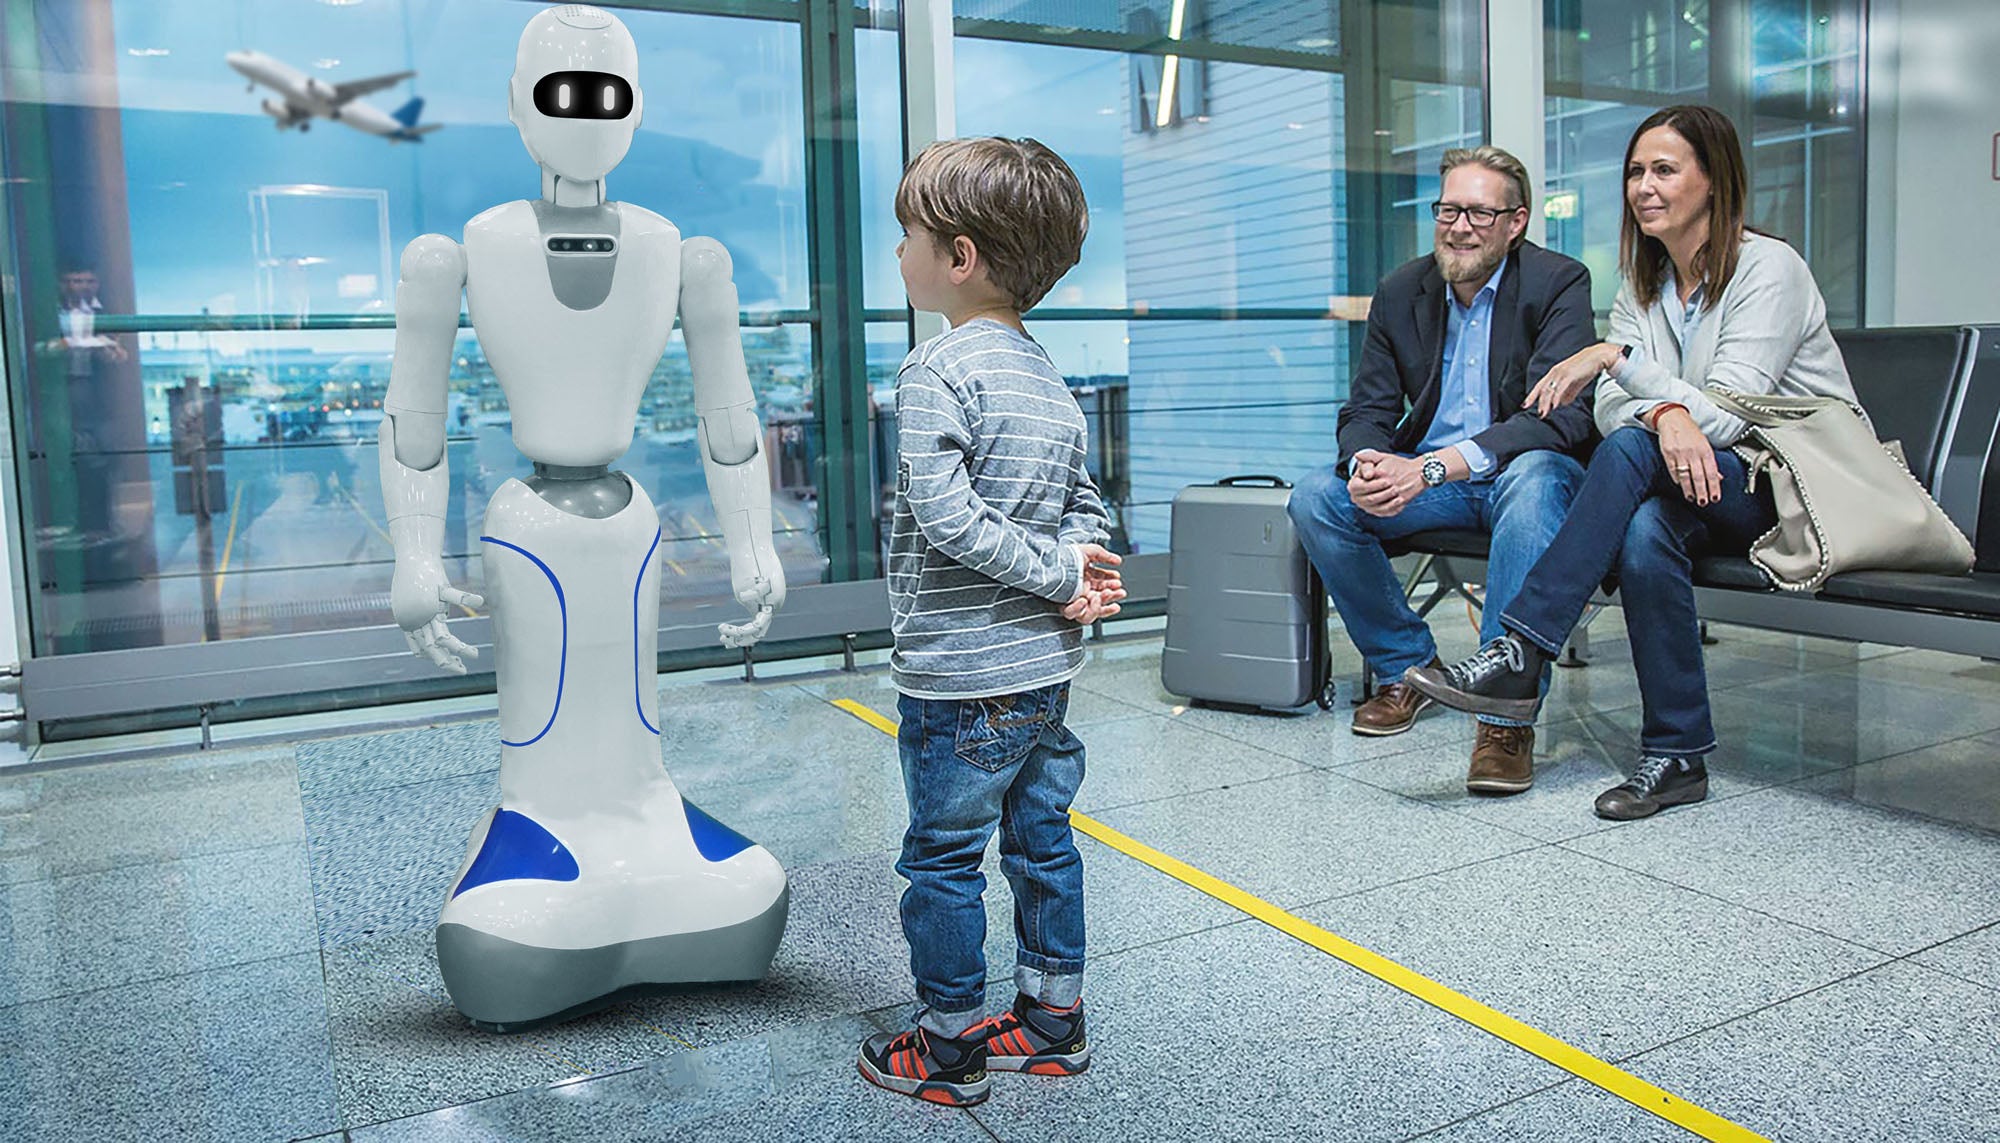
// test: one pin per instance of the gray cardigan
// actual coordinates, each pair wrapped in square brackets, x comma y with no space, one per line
[1767,333]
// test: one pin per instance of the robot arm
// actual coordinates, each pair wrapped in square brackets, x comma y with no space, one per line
[732,456]
[414,476]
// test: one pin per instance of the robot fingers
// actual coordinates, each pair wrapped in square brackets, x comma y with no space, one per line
[745,634]
[458,646]
[465,599]
[429,641]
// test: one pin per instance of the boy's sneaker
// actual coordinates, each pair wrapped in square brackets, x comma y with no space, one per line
[1037,1040]
[926,1066]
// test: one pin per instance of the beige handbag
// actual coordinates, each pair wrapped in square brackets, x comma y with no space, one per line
[1846,501]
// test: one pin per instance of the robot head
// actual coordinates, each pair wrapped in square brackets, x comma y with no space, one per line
[575,93]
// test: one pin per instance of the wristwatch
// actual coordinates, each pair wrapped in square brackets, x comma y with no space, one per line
[1433,470]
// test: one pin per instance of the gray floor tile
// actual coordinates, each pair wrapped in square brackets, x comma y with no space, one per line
[1831,719]
[398,1050]
[383,859]
[1382,1064]
[1935,670]
[1570,946]
[144,922]
[1898,1053]
[1574,1112]
[1325,738]
[1310,836]
[86,819]
[1956,782]
[228,1055]
[1974,957]
[804,779]
[1575,760]
[1127,904]
[1149,758]
[1877,878]
[335,766]
[794,1083]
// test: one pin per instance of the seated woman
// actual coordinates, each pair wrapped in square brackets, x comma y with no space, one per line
[1703,302]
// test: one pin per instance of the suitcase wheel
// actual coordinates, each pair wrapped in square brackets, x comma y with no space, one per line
[1327,695]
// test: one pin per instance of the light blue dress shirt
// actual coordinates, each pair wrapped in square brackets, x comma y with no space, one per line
[1465,401]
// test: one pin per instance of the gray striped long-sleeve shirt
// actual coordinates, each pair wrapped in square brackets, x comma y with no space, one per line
[992,501]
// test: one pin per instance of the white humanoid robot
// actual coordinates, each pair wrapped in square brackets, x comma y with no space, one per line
[592,877]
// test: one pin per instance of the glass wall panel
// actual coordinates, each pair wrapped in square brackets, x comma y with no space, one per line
[1243,205]
[208,289]
[1787,71]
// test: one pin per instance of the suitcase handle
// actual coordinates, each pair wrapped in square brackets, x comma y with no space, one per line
[1269,481]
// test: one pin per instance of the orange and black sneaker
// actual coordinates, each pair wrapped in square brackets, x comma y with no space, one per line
[924,1065]
[1035,1039]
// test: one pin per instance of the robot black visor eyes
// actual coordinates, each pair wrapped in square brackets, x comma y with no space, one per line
[583,95]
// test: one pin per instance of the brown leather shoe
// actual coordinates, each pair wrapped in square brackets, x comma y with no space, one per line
[1392,710]
[1503,760]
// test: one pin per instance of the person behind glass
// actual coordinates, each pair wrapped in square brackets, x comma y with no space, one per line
[996,559]
[1435,434]
[1704,302]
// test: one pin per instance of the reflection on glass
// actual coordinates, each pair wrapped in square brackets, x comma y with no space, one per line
[1610,63]
[194,471]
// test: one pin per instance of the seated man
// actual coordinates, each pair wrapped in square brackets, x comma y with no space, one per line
[1434,435]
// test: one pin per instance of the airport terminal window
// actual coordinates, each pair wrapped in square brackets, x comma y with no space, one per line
[1787,71]
[1208,329]
[197,408]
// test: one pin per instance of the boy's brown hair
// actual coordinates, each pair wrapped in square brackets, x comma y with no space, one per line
[1017,200]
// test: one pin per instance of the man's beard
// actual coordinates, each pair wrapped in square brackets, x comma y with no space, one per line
[1469,267]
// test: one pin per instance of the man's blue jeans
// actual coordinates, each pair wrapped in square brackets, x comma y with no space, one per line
[968,766]
[1631,516]
[1523,507]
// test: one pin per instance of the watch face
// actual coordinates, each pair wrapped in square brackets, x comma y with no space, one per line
[1434,471]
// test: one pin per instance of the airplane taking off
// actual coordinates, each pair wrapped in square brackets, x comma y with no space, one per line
[304,98]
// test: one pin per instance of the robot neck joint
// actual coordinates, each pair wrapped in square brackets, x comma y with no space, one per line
[570,192]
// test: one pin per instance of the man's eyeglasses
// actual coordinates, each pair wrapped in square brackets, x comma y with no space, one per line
[1479,216]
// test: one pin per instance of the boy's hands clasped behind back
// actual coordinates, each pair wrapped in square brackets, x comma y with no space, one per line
[1103,587]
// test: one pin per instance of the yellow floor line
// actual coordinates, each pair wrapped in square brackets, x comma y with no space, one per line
[228,544]
[1575,1061]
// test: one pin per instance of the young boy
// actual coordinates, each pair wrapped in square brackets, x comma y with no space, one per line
[995,562]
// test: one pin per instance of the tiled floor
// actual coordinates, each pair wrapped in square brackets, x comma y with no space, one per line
[236,946]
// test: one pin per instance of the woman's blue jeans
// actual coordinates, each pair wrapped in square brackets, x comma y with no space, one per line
[1630,517]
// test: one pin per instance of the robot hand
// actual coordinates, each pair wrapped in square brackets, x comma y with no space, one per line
[762,596]
[418,596]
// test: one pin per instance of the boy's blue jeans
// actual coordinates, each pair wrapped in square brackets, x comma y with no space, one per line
[970,765]
[1522,507]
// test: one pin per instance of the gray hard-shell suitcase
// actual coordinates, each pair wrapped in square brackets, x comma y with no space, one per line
[1246,616]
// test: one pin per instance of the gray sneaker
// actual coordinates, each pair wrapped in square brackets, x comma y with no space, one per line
[1658,783]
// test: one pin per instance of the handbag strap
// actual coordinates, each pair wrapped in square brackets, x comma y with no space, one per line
[1770,410]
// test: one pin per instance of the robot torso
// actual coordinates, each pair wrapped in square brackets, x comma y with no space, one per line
[573,308]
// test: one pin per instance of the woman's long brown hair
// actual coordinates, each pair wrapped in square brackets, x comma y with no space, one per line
[1712,138]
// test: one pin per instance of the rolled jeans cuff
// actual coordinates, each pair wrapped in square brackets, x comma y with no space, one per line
[950,1023]
[1049,989]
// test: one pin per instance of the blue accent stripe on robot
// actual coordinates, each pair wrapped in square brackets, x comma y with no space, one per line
[715,841]
[518,848]
[638,668]
[562,665]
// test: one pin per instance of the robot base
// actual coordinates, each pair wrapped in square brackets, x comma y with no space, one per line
[505,986]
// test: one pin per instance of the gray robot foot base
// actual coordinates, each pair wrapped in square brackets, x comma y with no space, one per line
[505,986]
[631,992]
